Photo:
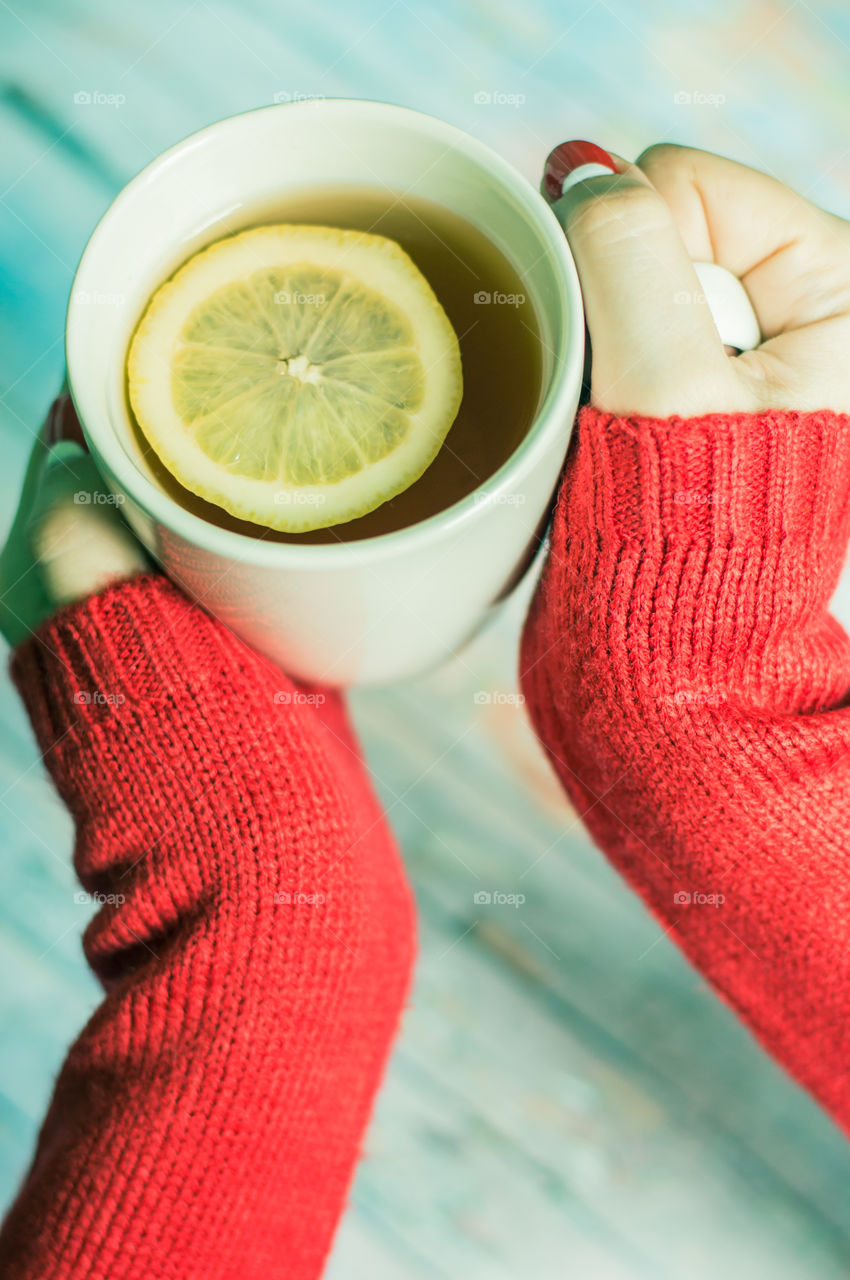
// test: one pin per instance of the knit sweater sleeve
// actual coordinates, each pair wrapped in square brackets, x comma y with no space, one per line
[254,936]
[692,691]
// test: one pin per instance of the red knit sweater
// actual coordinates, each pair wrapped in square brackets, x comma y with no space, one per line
[255,940]
[693,694]
[691,689]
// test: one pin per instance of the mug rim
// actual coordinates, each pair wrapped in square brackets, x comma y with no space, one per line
[254,549]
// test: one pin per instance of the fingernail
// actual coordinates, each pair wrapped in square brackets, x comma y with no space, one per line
[572,162]
[62,422]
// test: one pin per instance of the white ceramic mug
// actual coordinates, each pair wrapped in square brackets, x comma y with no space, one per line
[385,607]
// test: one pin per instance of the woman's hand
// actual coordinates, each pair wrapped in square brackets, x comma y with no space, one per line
[67,539]
[255,931]
[679,660]
[656,351]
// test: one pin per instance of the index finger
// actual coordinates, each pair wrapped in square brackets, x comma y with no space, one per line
[792,256]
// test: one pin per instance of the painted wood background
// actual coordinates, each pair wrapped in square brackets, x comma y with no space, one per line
[567,1098]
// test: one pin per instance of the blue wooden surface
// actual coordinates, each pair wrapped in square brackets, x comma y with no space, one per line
[567,1097]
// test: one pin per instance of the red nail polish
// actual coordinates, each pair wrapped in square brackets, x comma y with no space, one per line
[565,158]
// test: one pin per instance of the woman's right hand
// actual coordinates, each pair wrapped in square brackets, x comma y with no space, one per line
[679,660]
[635,235]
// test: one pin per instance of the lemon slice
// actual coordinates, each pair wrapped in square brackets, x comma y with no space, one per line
[297,376]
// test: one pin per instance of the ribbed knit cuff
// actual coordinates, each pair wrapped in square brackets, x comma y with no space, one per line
[745,477]
[706,541]
[107,661]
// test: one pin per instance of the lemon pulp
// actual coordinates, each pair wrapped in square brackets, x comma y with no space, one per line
[297,376]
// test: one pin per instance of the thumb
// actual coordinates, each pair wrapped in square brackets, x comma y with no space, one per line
[655,348]
[78,540]
[67,539]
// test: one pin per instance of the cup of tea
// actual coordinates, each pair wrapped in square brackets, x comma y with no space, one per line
[392,592]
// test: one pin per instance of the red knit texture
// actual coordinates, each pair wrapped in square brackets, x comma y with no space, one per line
[206,1123]
[692,691]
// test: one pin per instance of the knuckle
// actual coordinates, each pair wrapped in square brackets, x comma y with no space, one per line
[662,156]
[620,213]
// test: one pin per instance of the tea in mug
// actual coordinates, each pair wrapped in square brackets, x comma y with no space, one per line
[497,337]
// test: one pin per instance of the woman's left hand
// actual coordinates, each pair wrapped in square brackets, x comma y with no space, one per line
[67,540]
